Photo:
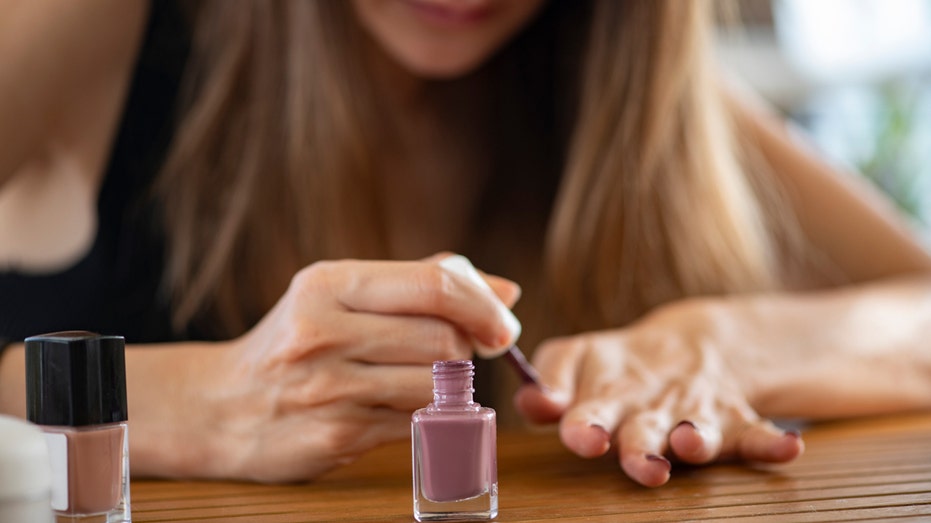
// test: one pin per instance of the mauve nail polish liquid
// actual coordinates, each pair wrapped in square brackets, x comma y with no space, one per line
[455,458]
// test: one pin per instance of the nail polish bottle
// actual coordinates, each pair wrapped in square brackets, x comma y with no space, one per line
[454,450]
[76,393]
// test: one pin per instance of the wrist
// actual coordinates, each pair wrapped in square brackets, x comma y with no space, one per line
[165,391]
[13,380]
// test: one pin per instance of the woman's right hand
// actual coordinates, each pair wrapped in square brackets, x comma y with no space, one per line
[337,366]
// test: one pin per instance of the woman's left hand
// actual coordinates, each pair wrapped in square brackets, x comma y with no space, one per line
[661,387]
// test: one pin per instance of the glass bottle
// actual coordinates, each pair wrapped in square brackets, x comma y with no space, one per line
[76,393]
[454,450]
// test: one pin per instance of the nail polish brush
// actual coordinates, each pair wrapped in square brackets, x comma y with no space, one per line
[461,265]
[523,368]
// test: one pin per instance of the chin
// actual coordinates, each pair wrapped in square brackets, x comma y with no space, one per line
[440,66]
[433,71]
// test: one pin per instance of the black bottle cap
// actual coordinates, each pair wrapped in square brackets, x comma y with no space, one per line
[75,378]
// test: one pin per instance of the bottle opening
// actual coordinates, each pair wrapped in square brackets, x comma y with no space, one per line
[452,382]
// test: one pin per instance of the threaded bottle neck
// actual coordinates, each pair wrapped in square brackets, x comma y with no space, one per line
[452,383]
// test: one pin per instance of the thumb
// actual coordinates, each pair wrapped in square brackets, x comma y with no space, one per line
[463,268]
[506,290]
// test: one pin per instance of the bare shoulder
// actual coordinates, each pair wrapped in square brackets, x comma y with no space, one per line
[65,67]
[843,215]
[53,52]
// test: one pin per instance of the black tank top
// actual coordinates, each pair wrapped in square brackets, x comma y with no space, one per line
[116,288]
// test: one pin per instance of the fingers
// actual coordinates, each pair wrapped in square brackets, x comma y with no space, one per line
[396,387]
[399,340]
[643,441]
[763,441]
[415,288]
[404,388]
[587,439]
[599,389]
[696,442]
[385,425]
[646,437]
[557,362]
[318,440]
[537,406]
[588,415]
[506,290]
[461,267]
[598,402]
[345,357]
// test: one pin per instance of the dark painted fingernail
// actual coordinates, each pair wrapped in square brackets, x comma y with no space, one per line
[659,459]
[688,423]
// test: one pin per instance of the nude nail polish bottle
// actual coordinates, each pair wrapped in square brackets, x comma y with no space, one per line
[454,450]
[76,393]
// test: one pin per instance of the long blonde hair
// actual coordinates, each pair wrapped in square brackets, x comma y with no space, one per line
[655,204]
[273,165]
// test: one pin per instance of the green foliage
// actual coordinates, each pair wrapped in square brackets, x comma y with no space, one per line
[892,166]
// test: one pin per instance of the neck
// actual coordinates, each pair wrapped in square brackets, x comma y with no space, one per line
[404,90]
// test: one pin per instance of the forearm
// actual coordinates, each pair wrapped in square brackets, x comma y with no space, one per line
[13,381]
[851,351]
[164,408]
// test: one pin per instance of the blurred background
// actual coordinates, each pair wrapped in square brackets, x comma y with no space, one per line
[855,75]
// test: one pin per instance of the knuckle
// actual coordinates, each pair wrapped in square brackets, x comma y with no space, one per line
[323,389]
[436,285]
[339,439]
[329,439]
[314,276]
[738,412]
[300,336]
[309,335]
[447,343]
[555,345]
[652,421]
[312,333]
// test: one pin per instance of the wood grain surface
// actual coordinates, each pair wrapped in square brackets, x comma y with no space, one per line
[869,469]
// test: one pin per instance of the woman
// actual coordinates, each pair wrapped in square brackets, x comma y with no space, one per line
[694,271]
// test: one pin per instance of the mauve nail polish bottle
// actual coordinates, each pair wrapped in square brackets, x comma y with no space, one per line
[76,393]
[455,459]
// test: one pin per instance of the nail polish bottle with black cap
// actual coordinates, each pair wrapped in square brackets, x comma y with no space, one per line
[76,393]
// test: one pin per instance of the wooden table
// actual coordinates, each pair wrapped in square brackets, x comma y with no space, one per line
[870,469]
